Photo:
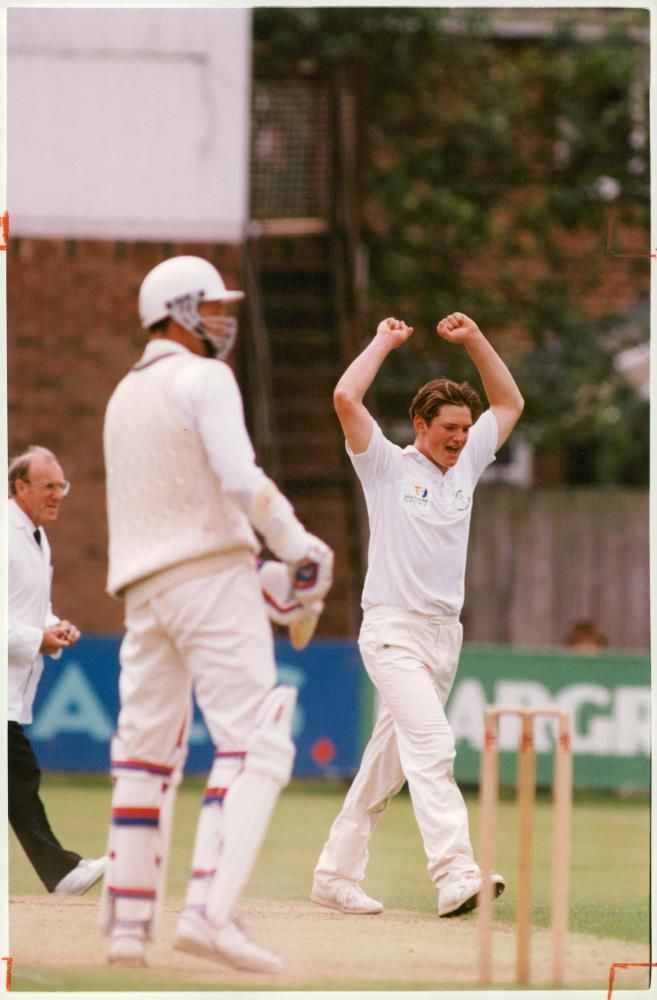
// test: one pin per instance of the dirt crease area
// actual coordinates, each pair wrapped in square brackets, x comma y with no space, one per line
[396,949]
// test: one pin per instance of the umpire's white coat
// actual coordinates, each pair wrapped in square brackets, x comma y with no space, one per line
[30,574]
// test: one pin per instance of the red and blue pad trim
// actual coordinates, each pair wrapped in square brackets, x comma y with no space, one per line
[135,816]
[212,796]
[203,873]
[118,892]
[161,770]
[238,754]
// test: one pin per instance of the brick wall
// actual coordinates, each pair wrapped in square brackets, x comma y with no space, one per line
[73,332]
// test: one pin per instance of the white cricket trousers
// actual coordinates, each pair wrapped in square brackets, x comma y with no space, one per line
[211,632]
[411,659]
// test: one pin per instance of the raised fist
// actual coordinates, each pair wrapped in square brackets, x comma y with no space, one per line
[457,328]
[395,329]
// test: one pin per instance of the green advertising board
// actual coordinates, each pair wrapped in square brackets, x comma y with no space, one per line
[606,694]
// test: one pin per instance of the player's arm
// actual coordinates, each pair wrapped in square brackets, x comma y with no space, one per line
[25,641]
[355,419]
[503,395]
[213,404]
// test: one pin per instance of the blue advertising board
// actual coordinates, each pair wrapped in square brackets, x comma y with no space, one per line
[77,706]
[608,697]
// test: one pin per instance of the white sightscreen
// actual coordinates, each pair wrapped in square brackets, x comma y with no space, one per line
[128,124]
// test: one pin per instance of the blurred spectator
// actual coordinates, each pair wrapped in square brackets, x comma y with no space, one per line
[585,637]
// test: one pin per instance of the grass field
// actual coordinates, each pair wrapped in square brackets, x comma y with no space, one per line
[610,867]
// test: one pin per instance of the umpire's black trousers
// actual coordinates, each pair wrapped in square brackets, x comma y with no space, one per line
[27,816]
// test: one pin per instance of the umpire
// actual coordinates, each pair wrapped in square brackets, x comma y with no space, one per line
[36,489]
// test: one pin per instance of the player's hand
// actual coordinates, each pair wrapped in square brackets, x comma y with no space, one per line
[282,605]
[457,328]
[312,575]
[67,631]
[59,636]
[395,330]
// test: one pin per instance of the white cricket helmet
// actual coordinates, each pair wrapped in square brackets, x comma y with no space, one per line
[176,287]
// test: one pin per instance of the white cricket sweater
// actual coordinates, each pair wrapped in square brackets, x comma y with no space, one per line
[166,505]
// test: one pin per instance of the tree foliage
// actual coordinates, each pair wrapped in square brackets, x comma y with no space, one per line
[489,161]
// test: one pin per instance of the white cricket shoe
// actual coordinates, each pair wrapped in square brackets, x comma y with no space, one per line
[345,896]
[127,947]
[228,944]
[462,895]
[85,874]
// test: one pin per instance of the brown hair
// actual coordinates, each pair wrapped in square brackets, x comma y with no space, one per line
[443,392]
[19,466]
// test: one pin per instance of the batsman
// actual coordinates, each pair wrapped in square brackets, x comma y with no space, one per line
[186,503]
[419,502]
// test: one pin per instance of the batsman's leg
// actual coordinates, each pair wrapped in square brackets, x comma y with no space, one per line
[242,819]
[210,829]
[128,902]
[167,811]
[134,888]
[223,634]
[148,755]
[247,811]
[231,830]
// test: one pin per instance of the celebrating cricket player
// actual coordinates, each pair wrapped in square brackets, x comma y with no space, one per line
[419,502]
[184,495]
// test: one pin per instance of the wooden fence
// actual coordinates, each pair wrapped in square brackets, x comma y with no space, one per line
[541,559]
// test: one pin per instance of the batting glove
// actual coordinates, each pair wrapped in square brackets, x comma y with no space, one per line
[312,575]
[283,606]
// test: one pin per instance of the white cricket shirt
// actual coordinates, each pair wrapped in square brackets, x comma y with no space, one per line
[420,520]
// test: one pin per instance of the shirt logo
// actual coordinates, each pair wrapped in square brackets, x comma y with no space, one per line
[417,497]
[454,501]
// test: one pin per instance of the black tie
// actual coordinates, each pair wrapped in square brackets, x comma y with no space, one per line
[37,536]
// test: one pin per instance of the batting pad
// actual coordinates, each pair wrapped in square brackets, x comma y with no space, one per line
[131,881]
[167,810]
[248,806]
[210,828]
